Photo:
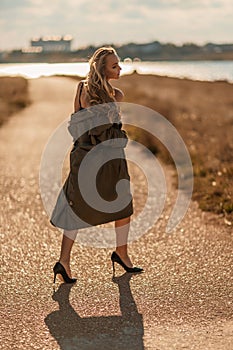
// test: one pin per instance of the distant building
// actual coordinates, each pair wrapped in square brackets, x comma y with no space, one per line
[53,43]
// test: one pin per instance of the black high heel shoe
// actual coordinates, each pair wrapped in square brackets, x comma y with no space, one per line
[59,269]
[116,258]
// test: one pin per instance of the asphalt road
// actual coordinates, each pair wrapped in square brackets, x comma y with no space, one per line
[183,300]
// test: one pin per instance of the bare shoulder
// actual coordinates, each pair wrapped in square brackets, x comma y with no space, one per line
[80,83]
[119,95]
[77,96]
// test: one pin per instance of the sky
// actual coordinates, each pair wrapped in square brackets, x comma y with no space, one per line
[116,21]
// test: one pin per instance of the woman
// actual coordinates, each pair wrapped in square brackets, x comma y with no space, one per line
[72,212]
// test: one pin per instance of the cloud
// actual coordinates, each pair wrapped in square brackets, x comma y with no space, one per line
[108,21]
[6,4]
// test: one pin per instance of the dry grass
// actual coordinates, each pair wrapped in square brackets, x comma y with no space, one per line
[202,113]
[13,96]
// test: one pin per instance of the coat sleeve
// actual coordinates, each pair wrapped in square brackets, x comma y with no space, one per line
[112,132]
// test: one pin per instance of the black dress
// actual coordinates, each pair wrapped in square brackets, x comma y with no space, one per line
[94,192]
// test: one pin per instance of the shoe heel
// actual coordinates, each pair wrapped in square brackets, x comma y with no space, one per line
[59,269]
[117,259]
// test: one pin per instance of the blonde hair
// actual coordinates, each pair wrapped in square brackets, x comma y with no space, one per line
[98,88]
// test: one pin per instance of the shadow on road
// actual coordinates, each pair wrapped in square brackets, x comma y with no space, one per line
[105,332]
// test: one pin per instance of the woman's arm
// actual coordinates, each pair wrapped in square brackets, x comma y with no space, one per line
[77,98]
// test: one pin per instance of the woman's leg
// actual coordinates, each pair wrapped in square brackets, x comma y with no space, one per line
[66,246]
[122,232]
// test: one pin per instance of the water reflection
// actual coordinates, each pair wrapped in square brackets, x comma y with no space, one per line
[105,332]
[37,70]
[195,70]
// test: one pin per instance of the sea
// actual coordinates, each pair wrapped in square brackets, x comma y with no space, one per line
[194,70]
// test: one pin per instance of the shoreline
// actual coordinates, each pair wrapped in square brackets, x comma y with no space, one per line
[206,71]
[78,77]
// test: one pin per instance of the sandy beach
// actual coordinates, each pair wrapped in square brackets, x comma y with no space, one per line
[184,298]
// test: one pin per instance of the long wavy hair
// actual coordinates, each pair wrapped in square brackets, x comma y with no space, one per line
[98,88]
